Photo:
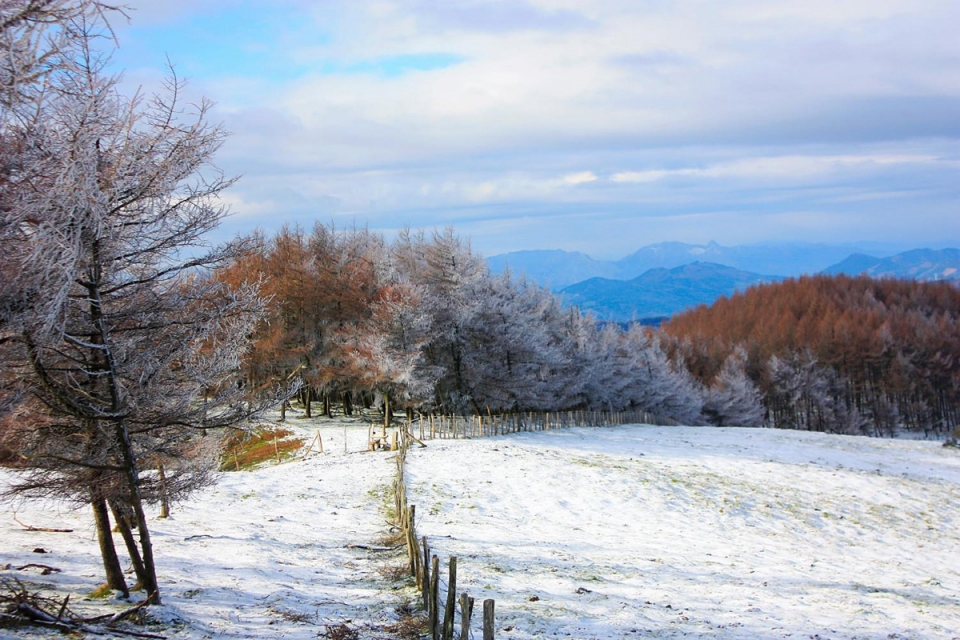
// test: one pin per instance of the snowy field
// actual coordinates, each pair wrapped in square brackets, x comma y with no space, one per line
[584,533]
[698,532]
[264,554]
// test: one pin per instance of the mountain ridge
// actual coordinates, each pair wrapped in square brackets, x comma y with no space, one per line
[659,292]
[916,264]
[557,268]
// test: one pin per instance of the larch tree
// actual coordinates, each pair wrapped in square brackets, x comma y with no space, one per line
[733,399]
[452,276]
[128,349]
[509,356]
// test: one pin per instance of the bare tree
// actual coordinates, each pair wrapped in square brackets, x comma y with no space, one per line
[127,349]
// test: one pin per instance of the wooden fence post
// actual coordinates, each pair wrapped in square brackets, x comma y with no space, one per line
[434,598]
[466,612]
[451,608]
[488,620]
[425,584]
[411,540]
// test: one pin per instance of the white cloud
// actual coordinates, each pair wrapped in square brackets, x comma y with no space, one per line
[792,167]
[580,178]
[604,105]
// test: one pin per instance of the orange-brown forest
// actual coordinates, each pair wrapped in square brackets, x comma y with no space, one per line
[838,353]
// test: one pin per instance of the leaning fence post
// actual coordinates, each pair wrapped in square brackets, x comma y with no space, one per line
[411,539]
[488,620]
[451,600]
[434,598]
[425,584]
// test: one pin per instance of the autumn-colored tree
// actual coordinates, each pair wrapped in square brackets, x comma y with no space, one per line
[838,353]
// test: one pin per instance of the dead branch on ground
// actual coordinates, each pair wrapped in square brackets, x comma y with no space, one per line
[21,607]
[42,529]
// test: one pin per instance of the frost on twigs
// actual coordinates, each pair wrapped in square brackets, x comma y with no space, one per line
[118,349]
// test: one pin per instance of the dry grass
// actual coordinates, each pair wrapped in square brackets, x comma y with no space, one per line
[392,538]
[395,572]
[412,624]
[245,450]
[293,616]
[340,631]
[102,592]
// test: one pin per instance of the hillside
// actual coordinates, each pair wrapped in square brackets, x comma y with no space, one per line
[919,264]
[669,532]
[681,532]
[659,292]
[269,553]
[835,353]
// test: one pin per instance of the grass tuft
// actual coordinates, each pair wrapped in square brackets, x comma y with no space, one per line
[102,592]
[412,624]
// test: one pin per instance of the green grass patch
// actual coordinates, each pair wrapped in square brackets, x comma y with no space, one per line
[245,450]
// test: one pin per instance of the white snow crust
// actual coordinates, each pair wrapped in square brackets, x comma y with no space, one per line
[243,558]
[634,531]
[672,532]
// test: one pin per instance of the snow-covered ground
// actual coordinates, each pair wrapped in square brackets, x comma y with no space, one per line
[262,554]
[583,533]
[698,532]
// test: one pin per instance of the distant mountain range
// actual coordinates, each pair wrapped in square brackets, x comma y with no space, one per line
[663,279]
[919,264]
[558,269]
[659,293]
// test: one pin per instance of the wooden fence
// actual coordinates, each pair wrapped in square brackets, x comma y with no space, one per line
[425,567]
[494,424]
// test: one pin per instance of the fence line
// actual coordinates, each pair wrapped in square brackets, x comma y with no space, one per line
[424,567]
[439,426]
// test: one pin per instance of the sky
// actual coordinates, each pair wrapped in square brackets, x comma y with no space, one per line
[598,126]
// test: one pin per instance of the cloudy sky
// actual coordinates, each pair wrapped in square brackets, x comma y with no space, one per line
[590,125]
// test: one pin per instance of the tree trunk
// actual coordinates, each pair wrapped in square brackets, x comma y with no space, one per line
[347,403]
[124,526]
[164,500]
[307,400]
[387,412]
[111,564]
[128,455]
[150,583]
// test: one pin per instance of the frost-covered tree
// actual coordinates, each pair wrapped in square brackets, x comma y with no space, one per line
[806,395]
[733,399]
[658,384]
[512,357]
[381,348]
[608,387]
[575,335]
[38,40]
[634,372]
[453,277]
[128,348]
